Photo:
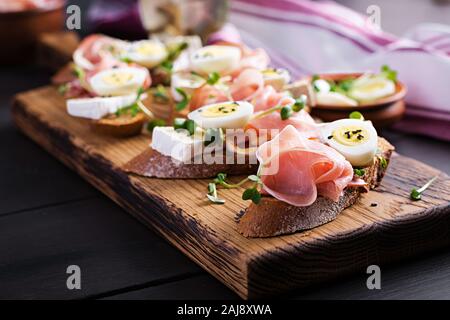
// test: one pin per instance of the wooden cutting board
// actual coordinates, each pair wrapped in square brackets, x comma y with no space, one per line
[362,235]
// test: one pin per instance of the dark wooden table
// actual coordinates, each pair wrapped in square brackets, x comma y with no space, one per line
[50,218]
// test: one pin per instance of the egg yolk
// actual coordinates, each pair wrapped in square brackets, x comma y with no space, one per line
[220,110]
[350,135]
[117,79]
[149,49]
[270,73]
[373,86]
[210,52]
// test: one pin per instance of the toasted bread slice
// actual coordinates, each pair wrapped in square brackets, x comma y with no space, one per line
[119,126]
[272,217]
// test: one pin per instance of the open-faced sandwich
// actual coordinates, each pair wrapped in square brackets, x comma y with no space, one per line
[227,89]
[108,80]
[305,181]
[356,89]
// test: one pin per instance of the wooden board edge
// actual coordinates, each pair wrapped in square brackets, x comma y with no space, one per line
[213,254]
[387,243]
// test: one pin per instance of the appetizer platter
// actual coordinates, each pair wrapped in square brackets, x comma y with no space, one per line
[217,151]
[379,95]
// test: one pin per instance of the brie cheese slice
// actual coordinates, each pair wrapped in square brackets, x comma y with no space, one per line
[177,144]
[98,107]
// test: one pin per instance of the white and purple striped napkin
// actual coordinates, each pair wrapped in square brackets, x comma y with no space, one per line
[309,37]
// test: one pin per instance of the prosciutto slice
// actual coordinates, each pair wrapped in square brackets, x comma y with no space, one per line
[257,59]
[269,97]
[206,94]
[98,52]
[301,121]
[248,84]
[296,170]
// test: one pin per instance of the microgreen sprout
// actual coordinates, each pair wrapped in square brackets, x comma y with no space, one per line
[160,94]
[356,115]
[213,78]
[285,111]
[416,194]
[186,124]
[212,194]
[252,193]
[184,102]
[383,162]
[389,73]
[155,123]
[134,108]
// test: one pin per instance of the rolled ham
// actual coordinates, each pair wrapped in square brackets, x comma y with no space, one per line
[296,170]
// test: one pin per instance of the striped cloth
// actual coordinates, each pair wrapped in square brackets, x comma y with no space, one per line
[312,37]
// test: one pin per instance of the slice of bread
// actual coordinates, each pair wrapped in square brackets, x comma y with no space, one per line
[272,217]
[151,163]
[119,126]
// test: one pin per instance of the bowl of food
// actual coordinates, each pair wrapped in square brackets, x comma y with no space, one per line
[21,24]
[379,95]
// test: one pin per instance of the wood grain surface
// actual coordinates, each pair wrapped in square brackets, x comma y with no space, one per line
[362,235]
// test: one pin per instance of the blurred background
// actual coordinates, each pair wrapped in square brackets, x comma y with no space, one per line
[397,15]
[304,36]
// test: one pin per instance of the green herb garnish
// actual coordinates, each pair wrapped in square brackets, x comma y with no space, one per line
[133,109]
[356,115]
[184,102]
[285,113]
[213,78]
[383,162]
[178,123]
[389,73]
[416,194]
[343,86]
[79,73]
[299,103]
[155,123]
[185,124]
[220,178]
[167,66]
[190,126]
[160,94]
[212,194]
[126,60]
[254,178]
[252,194]
[62,89]
[359,172]
[175,52]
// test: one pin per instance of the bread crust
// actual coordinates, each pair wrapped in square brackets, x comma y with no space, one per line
[151,163]
[122,126]
[272,217]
